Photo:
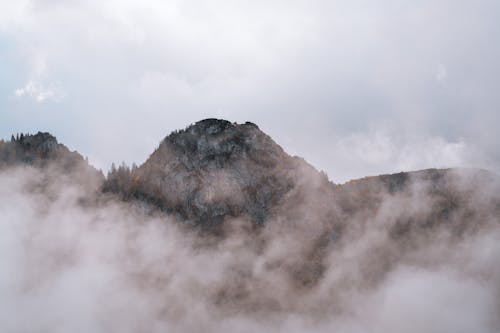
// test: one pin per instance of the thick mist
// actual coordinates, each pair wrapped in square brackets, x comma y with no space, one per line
[77,261]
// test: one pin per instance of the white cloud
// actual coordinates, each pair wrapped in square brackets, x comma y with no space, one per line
[381,150]
[39,93]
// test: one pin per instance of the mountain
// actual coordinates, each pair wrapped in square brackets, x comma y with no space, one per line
[289,231]
[216,169]
[43,151]
[39,150]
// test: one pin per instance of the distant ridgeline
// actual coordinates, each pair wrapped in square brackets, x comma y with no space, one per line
[214,170]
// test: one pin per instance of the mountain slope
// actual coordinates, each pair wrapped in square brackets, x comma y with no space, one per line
[216,169]
[43,151]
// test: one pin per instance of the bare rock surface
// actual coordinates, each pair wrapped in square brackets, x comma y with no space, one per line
[215,169]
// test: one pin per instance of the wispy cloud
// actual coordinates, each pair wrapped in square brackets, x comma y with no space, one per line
[39,93]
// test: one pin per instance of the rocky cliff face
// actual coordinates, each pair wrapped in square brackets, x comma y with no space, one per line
[216,169]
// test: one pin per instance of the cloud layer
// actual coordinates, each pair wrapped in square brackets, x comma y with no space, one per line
[68,263]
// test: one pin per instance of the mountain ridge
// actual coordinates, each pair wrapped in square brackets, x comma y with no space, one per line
[214,169]
[223,196]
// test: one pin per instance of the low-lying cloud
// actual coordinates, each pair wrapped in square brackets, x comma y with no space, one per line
[71,263]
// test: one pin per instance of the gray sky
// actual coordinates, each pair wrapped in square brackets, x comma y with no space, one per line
[356,87]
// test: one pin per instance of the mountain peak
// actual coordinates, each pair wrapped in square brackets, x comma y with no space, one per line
[214,126]
[216,143]
[43,149]
[210,126]
[214,169]
[31,148]
[41,141]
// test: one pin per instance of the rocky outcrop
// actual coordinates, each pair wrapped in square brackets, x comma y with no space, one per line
[42,150]
[216,169]
[37,149]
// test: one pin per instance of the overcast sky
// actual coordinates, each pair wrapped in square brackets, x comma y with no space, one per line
[357,87]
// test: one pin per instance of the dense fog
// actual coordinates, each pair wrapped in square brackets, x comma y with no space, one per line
[73,260]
